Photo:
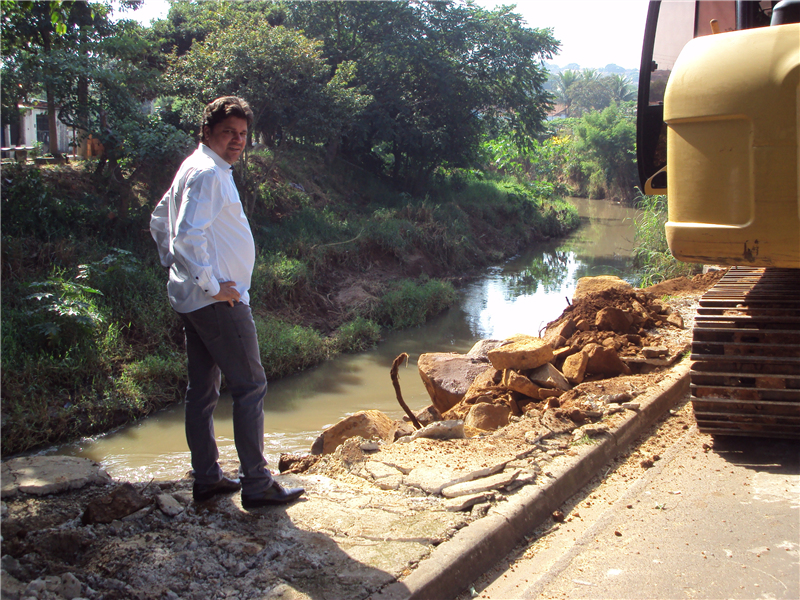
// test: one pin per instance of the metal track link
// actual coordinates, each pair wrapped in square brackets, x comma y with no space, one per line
[745,378]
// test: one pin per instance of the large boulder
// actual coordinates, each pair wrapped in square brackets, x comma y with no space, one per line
[367,424]
[563,329]
[488,417]
[604,361]
[613,319]
[526,352]
[486,384]
[594,285]
[448,376]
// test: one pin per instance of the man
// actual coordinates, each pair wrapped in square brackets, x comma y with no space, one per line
[204,238]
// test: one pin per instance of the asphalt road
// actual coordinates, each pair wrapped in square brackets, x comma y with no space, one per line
[682,515]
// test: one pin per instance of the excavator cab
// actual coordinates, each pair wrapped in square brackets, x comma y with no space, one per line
[669,27]
[718,133]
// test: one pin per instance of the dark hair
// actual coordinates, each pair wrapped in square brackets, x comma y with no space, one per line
[222,108]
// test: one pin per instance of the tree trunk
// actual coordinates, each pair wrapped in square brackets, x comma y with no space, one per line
[53,124]
[51,99]
[21,126]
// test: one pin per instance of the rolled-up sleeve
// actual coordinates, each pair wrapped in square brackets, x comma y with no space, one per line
[200,205]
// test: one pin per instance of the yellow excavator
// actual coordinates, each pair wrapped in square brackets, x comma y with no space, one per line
[718,132]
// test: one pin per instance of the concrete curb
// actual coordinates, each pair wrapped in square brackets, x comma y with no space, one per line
[475,549]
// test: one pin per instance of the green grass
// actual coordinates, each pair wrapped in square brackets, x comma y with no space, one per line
[410,303]
[652,258]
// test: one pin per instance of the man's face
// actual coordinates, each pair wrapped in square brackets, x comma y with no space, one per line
[227,138]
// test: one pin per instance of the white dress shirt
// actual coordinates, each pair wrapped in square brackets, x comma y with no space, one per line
[202,233]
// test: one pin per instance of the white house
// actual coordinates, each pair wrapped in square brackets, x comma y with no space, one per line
[34,126]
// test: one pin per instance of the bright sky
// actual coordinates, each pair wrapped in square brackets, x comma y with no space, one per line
[593,33]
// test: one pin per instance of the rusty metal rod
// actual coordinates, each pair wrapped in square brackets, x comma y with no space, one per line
[396,384]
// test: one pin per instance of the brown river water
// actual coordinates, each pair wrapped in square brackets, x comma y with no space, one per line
[519,296]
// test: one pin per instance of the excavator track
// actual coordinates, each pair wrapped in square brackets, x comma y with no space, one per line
[745,377]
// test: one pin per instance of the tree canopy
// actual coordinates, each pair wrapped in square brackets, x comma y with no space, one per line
[399,88]
[587,90]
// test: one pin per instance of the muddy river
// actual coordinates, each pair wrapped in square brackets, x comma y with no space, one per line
[520,296]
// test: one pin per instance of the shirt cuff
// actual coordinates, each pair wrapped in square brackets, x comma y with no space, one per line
[212,287]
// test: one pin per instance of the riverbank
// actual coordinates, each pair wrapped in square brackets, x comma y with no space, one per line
[352,536]
[89,340]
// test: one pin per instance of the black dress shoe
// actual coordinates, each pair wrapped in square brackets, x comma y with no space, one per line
[205,491]
[275,494]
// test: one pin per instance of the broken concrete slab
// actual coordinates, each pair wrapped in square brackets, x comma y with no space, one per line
[464,502]
[169,505]
[477,486]
[378,470]
[40,475]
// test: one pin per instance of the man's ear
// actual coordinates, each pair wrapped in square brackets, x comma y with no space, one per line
[206,133]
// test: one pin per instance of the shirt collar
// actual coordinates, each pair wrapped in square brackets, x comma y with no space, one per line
[220,162]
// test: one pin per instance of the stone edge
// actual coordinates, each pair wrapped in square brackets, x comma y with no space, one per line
[477,548]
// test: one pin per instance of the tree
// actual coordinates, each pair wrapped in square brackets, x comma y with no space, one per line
[99,73]
[564,94]
[34,42]
[189,21]
[441,74]
[606,143]
[280,72]
[620,88]
[58,10]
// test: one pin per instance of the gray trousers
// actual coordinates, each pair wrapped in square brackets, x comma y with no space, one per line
[222,339]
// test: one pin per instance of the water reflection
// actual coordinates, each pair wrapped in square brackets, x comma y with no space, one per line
[548,271]
[520,296]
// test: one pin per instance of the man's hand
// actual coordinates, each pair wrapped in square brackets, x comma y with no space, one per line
[227,293]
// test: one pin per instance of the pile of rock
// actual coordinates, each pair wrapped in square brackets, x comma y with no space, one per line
[608,330]
[604,333]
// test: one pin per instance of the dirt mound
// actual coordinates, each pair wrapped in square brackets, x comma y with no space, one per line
[682,285]
[644,308]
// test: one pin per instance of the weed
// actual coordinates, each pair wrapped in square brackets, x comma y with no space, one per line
[63,316]
[585,440]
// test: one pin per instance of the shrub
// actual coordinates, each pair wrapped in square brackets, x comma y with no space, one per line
[409,303]
[287,348]
[356,336]
[63,317]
